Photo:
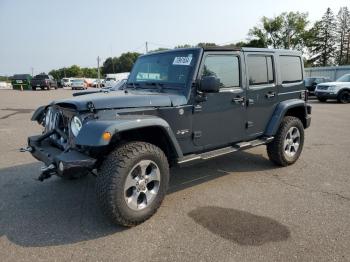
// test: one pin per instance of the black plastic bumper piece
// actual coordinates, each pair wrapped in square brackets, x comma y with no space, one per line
[325,95]
[65,163]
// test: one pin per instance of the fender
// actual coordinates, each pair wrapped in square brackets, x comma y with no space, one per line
[280,112]
[38,114]
[91,132]
[343,89]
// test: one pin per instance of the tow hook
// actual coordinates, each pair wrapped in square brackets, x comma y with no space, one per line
[47,172]
[26,149]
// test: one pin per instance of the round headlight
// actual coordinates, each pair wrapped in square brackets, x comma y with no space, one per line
[75,125]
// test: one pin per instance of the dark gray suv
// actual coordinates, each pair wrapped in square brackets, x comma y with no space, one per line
[178,107]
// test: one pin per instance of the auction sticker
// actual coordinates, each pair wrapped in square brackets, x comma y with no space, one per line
[182,60]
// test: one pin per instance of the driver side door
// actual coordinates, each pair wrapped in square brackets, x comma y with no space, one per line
[220,119]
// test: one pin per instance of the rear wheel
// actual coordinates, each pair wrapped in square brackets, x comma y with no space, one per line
[344,97]
[288,143]
[132,182]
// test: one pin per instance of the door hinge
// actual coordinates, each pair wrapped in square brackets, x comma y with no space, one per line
[249,124]
[197,134]
[197,108]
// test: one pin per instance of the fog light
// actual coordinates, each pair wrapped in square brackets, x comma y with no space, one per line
[106,136]
[60,167]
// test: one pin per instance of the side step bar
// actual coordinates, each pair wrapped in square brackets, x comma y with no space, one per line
[194,158]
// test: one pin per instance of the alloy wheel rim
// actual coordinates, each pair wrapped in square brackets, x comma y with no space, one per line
[142,185]
[345,98]
[292,142]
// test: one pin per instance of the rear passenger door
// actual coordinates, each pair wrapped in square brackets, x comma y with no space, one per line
[261,92]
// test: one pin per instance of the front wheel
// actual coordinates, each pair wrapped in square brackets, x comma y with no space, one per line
[132,182]
[288,143]
[344,97]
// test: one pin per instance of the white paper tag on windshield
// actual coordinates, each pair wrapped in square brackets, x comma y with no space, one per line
[184,60]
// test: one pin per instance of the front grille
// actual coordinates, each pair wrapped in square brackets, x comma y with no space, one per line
[56,119]
[322,87]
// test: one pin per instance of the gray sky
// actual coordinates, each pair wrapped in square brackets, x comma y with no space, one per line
[49,34]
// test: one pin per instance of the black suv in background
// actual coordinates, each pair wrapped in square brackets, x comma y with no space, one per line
[178,107]
[21,81]
[43,81]
[312,82]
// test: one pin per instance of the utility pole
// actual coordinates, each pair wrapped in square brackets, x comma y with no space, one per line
[98,71]
[146,47]
[32,71]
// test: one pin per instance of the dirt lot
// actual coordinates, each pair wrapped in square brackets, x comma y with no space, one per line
[234,208]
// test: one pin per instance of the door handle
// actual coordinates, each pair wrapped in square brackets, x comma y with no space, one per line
[270,95]
[238,99]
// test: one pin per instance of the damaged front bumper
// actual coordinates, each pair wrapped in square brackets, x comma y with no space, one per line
[58,162]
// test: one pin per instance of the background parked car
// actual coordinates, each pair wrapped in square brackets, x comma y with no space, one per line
[96,81]
[66,82]
[21,80]
[43,81]
[312,82]
[112,79]
[339,90]
[79,84]
[118,86]
[5,85]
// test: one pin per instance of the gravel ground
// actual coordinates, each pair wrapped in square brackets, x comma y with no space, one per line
[234,208]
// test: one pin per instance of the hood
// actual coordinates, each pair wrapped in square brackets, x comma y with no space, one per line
[335,84]
[121,99]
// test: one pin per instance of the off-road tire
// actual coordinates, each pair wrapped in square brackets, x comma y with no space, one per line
[344,97]
[321,99]
[113,173]
[275,149]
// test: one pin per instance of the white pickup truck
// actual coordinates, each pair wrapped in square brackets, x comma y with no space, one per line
[113,79]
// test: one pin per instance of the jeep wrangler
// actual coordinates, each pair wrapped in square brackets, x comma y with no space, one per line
[177,107]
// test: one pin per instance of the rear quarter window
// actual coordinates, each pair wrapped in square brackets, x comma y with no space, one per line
[291,69]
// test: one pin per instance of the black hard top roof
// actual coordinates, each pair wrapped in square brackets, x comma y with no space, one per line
[242,49]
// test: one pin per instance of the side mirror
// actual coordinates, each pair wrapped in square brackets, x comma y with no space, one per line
[209,84]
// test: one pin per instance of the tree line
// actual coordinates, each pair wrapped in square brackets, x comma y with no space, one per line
[323,43]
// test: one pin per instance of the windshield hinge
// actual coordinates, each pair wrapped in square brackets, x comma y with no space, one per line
[90,105]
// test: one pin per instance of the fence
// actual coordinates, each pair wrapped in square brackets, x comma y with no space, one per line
[333,72]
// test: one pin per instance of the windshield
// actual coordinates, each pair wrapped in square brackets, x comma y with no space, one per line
[169,69]
[309,81]
[344,78]
[41,77]
[21,77]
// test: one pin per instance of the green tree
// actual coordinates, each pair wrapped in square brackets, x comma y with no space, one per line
[343,36]
[183,46]
[206,45]
[287,30]
[120,64]
[323,35]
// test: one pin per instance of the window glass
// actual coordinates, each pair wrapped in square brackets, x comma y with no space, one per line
[270,69]
[344,78]
[172,69]
[223,67]
[260,70]
[290,69]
